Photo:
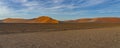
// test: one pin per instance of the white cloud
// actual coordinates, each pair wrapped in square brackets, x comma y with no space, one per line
[19,1]
[57,1]
[92,3]
[72,4]
[4,10]
[31,4]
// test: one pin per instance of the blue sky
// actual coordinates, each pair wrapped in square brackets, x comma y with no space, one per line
[59,9]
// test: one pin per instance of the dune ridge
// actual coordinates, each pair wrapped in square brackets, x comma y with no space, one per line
[47,19]
[41,19]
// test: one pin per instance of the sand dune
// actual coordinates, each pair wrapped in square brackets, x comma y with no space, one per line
[42,19]
[89,38]
[47,19]
[15,20]
[99,20]
[113,20]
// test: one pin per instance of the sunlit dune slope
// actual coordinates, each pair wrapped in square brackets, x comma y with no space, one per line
[43,19]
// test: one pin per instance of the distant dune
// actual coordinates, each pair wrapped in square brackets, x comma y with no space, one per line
[113,20]
[15,20]
[42,19]
[80,20]
[46,19]
[98,20]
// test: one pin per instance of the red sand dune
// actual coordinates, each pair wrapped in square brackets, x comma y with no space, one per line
[100,20]
[113,20]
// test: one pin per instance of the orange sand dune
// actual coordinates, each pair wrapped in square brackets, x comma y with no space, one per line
[43,19]
[14,20]
[46,19]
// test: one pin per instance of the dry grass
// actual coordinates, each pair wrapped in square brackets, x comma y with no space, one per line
[100,36]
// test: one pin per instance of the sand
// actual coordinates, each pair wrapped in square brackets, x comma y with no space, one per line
[87,38]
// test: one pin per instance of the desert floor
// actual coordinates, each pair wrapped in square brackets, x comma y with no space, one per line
[88,38]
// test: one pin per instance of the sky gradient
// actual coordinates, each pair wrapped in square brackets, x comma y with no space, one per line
[59,9]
